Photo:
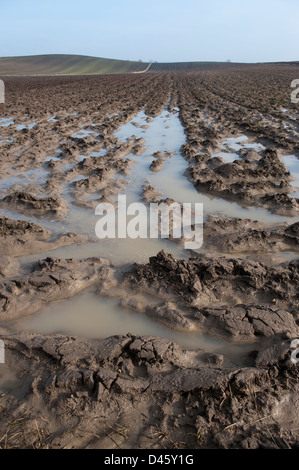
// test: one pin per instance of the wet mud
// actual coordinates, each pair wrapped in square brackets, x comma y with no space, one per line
[227,139]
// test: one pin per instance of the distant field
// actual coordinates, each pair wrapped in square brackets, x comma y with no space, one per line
[180,66]
[66,65]
[184,66]
[63,64]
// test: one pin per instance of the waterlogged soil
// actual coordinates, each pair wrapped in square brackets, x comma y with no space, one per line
[143,343]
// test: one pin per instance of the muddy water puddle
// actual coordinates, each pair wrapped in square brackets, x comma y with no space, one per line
[82,133]
[98,317]
[92,316]
[165,134]
[6,122]
[24,178]
[292,164]
[20,127]
[242,142]
[227,157]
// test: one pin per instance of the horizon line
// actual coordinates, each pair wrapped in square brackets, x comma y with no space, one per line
[148,62]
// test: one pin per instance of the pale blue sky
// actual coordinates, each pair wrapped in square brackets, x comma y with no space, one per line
[161,30]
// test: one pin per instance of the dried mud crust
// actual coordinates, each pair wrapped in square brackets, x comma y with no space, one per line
[239,299]
[50,279]
[144,392]
[52,207]
[255,180]
[246,236]
[101,174]
[19,237]
[86,393]
[55,142]
[210,115]
[235,298]
[255,100]
[206,112]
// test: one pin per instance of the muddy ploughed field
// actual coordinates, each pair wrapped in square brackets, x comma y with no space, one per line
[141,343]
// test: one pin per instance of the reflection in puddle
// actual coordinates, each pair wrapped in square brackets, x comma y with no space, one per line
[101,153]
[6,122]
[119,252]
[20,127]
[82,133]
[91,316]
[96,317]
[55,158]
[23,178]
[241,142]
[171,180]
[292,164]
[227,157]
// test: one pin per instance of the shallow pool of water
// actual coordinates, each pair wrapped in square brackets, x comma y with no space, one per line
[92,316]
[82,133]
[292,164]
[165,133]
[20,127]
[6,122]
[227,157]
[241,142]
[39,175]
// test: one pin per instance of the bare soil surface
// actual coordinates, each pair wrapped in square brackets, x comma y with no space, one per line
[63,152]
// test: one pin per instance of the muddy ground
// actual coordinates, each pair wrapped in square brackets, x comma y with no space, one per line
[62,154]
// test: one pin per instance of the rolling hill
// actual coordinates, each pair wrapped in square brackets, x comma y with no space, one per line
[64,64]
[67,64]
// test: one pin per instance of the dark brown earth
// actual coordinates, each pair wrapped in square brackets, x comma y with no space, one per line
[47,207]
[262,182]
[239,235]
[132,392]
[207,115]
[19,237]
[233,297]
[51,279]
[146,392]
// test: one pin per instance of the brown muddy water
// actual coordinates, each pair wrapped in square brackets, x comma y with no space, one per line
[97,317]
